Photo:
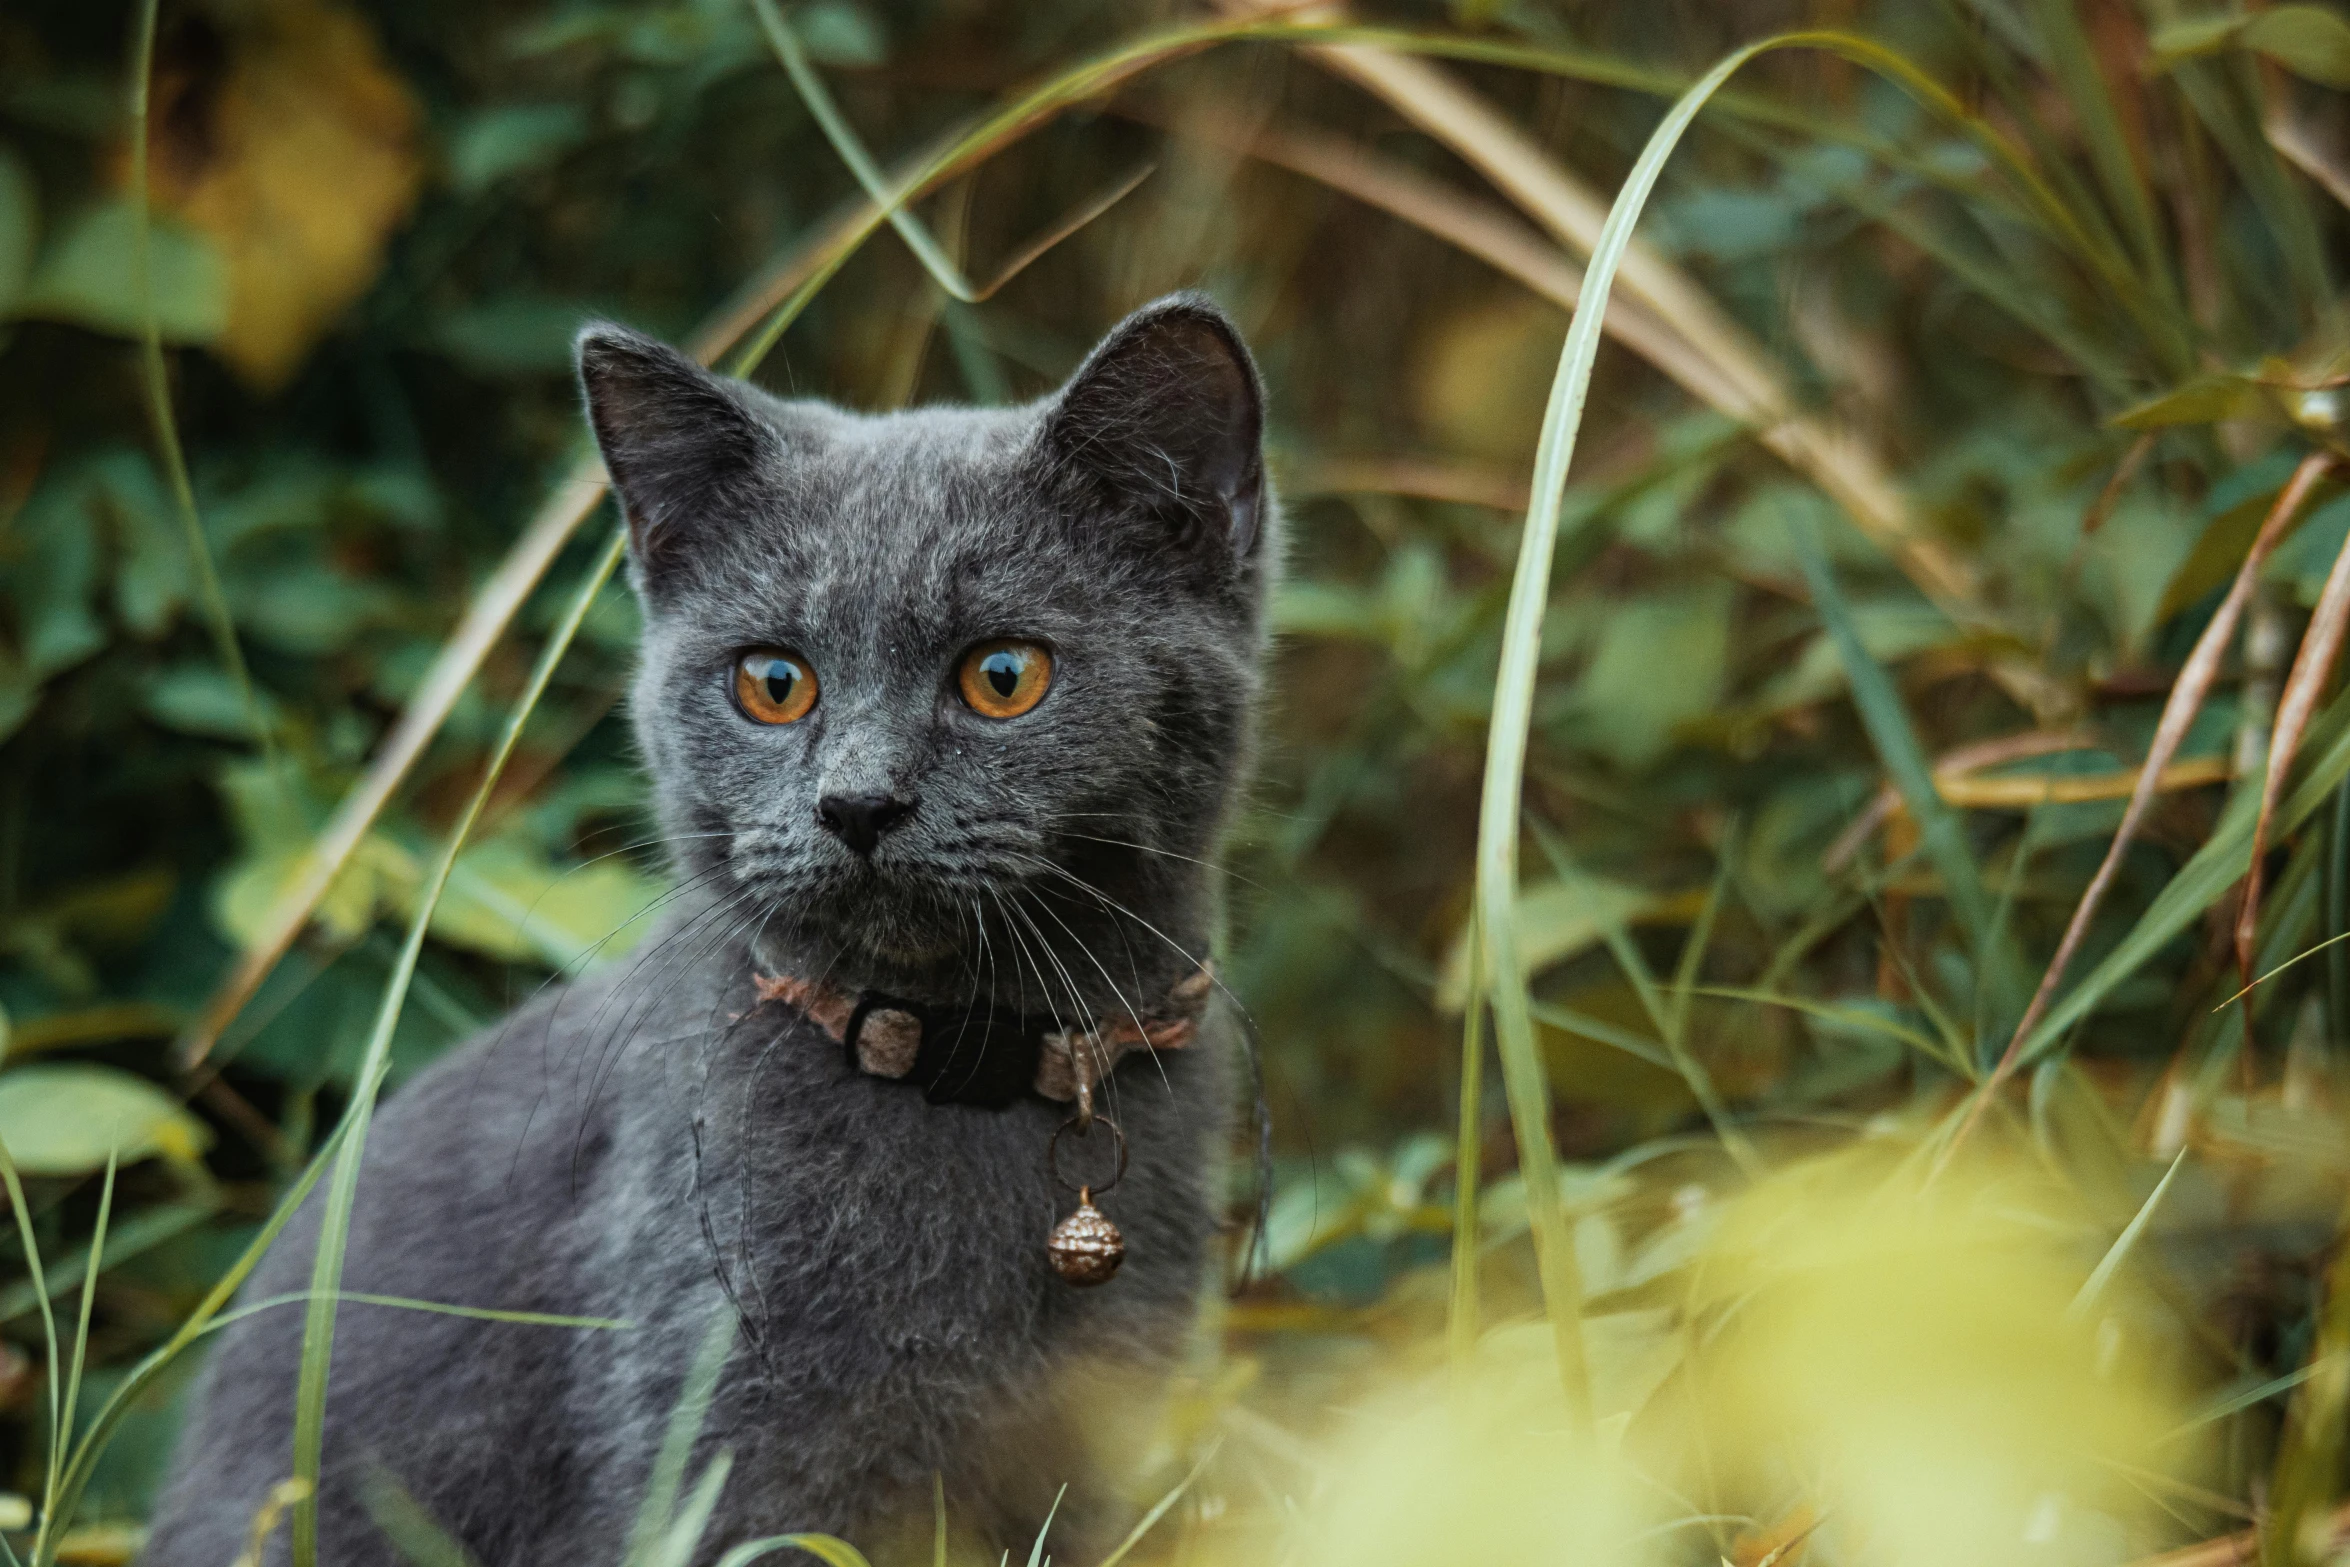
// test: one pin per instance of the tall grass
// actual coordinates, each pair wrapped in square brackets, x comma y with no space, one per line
[2112,291]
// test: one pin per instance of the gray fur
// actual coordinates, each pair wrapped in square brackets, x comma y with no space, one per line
[652,1142]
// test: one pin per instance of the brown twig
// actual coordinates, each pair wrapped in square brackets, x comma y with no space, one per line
[2178,714]
[2312,667]
[2123,472]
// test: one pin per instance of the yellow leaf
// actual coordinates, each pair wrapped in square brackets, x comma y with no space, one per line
[508,899]
[244,897]
[294,148]
[64,1119]
[1558,919]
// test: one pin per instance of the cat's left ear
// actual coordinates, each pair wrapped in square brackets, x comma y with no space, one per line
[1167,418]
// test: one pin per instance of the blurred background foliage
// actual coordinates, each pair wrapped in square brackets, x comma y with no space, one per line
[2037,427]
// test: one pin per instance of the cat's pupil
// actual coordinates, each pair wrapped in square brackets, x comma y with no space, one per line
[1002,671]
[781,677]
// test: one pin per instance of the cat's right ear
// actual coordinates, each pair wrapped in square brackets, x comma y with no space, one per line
[680,442]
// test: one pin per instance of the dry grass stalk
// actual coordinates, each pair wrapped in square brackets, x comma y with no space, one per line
[2023,791]
[1752,389]
[1415,477]
[2178,714]
[2298,145]
[2313,666]
[1483,230]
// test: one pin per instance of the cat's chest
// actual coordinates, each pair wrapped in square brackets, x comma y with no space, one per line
[852,1212]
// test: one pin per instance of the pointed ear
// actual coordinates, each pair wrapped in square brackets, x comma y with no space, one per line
[679,441]
[1167,418]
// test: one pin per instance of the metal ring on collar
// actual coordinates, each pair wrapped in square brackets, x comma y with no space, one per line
[1052,1153]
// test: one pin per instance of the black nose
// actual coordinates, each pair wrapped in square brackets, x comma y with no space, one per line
[859,820]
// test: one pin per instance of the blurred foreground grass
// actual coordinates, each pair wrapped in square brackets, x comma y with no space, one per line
[1883,1164]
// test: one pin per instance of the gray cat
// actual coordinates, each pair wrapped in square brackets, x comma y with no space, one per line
[944,712]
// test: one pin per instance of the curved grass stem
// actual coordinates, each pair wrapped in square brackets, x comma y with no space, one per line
[326,1274]
[155,383]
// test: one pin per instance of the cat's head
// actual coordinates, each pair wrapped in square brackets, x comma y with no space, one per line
[951,697]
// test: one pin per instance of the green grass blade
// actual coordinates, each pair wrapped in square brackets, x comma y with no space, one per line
[2213,869]
[1036,1550]
[1843,1017]
[133,1236]
[2073,64]
[2110,1264]
[1498,827]
[1468,1162]
[2222,100]
[199,1322]
[837,130]
[685,1531]
[1601,1032]
[1512,714]
[415,1533]
[1701,935]
[677,1442]
[81,1328]
[326,1273]
[53,1481]
[1160,1508]
[1890,731]
[825,1548]
[529,1319]
[1661,1009]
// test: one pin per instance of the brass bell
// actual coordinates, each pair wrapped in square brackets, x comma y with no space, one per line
[1086,1247]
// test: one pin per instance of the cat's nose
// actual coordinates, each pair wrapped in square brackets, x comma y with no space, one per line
[859,820]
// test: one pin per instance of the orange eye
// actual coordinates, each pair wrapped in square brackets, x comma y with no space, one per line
[773,686]
[1005,679]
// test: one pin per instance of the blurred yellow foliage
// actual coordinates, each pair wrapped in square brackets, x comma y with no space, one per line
[1921,1358]
[1861,1364]
[293,145]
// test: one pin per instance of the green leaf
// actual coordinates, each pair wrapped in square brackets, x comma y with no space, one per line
[2203,399]
[20,226]
[151,574]
[1555,921]
[838,33]
[514,138]
[1660,664]
[89,277]
[66,1118]
[509,900]
[201,699]
[52,577]
[2193,37]
[2310,41]
[519,334]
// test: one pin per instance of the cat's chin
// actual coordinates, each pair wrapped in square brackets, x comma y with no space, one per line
[885,950]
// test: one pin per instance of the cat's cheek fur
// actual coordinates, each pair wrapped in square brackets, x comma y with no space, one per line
[656,1144]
